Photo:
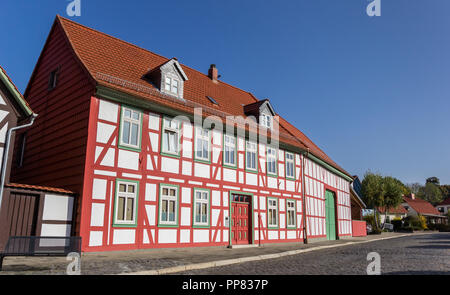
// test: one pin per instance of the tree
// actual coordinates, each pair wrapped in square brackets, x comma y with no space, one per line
[445,189]
[431,193]
[434,180]
[394,190]
[373,191]
[405,189]
[414,187]
[381,191]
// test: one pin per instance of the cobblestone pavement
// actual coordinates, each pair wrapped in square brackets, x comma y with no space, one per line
[426,254]
[144,260]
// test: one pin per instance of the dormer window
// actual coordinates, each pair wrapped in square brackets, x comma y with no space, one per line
[266,121]
[169,78]
[263,110]
[172,85]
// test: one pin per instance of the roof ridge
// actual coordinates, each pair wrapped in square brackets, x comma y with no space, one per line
[146,50]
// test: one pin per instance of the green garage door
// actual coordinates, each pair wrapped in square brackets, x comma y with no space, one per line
[330,215]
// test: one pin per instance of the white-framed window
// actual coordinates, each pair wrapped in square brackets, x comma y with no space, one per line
[271,159]
[229,152]
[251,156]
[171,85]
[290,213]
[201,207]
[290,165]
[130,125]
[168,205]
[202,144]
[272,212]
[266,120]
[171,136]
[126,203]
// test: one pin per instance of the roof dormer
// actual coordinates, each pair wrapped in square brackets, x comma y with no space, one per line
[169,77]
[263,111]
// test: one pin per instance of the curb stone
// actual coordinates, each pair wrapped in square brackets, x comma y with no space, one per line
[196,266]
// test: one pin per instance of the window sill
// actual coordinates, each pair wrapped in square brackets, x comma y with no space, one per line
[134,225]
[177,156]
[128,148]
[202,161]
[167,225]
[229,166]
[251,171]
[201,226]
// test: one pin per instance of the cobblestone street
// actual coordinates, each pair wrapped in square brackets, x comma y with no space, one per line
[426,254]
[421,253]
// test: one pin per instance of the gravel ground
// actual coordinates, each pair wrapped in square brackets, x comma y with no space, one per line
[424,255]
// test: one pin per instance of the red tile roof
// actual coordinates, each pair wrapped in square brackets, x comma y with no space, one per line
[40,188]
[397,210]
[421,206]
[120,65]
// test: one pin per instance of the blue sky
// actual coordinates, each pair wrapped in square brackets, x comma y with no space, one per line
[373,93]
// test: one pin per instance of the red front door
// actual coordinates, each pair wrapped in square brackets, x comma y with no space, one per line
[241,228]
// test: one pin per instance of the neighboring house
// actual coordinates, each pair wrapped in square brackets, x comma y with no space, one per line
[444,206]
[108,131]
[25,210]
[357,207]
[416,206]
[357,203]
[393,213]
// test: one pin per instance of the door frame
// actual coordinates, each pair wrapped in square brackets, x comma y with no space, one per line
[336,217]
[230,194]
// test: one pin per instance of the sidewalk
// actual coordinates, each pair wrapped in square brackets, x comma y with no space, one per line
[165,261]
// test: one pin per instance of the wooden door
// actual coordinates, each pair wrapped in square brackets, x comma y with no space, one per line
[241,222]
[330,215]
[22,214]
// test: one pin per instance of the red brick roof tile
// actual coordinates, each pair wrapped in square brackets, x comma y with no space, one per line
[421,206]
[397,210]
[40,188]
[106,56]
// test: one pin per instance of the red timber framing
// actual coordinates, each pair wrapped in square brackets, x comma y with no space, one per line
[106,163]
[317,181]
[75,144]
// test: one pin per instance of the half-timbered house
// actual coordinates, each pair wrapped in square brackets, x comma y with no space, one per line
[25,210]
[109,129]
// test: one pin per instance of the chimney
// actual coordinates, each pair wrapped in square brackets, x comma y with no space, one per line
[413,196]
[213,73]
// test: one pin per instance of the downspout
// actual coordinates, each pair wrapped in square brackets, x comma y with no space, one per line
[305,237]
[6,152]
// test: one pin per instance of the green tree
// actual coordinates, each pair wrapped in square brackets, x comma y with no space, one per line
[445,189]
[372,188]
[394,190]
[431,193]
[405,189]
[434,180]
[414,187]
